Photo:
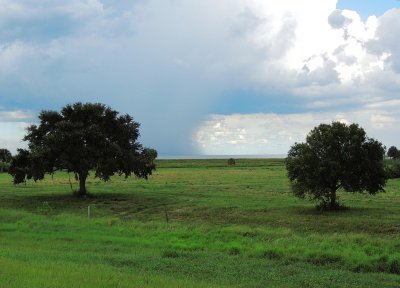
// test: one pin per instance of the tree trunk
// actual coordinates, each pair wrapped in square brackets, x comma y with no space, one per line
[82,184]
[333,203]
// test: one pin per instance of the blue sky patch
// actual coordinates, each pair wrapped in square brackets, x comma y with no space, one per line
[367,8]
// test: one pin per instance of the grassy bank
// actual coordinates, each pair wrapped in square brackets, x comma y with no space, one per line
[195,223]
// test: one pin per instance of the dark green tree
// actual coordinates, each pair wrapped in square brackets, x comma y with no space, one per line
[5,158]
[20,166]
[335,157]
[83,138]
[393,152]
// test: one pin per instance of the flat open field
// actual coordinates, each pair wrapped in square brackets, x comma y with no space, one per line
[195,223]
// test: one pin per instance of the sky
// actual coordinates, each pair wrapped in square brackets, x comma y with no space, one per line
[205,77]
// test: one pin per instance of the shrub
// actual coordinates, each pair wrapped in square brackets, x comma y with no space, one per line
[392,169]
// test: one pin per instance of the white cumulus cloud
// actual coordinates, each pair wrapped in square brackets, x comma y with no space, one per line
[170,63]
[260,134]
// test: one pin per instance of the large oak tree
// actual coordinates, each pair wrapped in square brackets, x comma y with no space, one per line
[83,138]
[336,156]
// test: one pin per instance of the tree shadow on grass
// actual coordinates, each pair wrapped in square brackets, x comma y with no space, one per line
[102,204]
[348,211]
[370,220]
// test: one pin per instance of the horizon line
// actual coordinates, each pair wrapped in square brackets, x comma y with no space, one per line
[221,156]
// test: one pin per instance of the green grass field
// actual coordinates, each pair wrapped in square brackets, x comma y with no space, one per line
[228,226]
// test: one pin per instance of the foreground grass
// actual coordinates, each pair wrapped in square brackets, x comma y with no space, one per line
[195,224]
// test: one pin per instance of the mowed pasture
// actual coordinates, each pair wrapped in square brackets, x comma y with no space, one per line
[195,223]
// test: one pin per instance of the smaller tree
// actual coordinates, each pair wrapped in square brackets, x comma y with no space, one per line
[5,159]
[335,157]
[231,162]
[393,152]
